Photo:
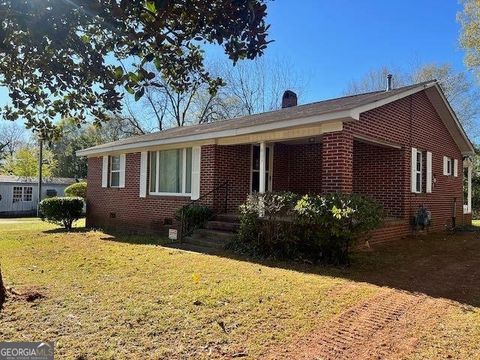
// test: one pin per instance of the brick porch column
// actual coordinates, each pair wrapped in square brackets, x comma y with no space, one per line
[337,162]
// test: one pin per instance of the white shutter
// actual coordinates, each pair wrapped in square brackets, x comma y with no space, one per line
[445,165]
[196,159]
[413,170]
[429,172]
[455,167]
[143,173]
[105,172]
[121,181]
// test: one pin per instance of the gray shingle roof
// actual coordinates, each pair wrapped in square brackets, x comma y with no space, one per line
[34,180]
[291,113]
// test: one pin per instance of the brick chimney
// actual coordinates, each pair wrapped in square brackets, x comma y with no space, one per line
[289,99]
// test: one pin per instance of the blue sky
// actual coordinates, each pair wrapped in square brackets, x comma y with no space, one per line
[336,41]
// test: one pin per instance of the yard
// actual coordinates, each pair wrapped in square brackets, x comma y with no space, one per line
[107,296]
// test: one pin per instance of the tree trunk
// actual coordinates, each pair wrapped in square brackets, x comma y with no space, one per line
[3,291]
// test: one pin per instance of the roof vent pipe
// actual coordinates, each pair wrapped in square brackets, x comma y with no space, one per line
[389,82]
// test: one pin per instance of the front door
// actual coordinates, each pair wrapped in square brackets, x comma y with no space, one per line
[255,169]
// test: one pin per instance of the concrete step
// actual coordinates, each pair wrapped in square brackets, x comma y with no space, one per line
[222,226]
[204,242]
[213,235]
[233,218]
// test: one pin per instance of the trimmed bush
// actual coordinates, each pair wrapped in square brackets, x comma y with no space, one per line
[77,190]
[62,210]
[318,228]
[195,216]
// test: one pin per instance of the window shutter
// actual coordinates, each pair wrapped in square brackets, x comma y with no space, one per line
[143,173]
[121,182]
[429,172]
[196,158]
[455,167]
[105,172]
[412,170]
[445,166]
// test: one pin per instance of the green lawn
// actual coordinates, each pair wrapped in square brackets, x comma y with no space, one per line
[126,297]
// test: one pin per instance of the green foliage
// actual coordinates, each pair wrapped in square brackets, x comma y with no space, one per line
[24,162]
[469,18]
[77,190]
[194,216]
[67,44]
[316,227]
[61,210]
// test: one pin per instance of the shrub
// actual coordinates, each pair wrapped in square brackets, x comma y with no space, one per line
[317,227]
[61,210]
[194,216]
[77,190]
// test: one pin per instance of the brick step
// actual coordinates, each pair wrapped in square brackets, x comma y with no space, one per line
[222,226]
[232,218]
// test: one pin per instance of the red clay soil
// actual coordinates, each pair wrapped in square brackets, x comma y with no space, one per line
[380,328]
[421,280]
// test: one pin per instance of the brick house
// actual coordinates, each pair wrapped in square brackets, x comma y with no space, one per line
[403,147]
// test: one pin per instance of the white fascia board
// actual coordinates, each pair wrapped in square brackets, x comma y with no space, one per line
[457,122]
[290,123]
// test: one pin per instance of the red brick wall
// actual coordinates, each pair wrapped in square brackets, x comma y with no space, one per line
[332,166]
[413,122]
[379,173]
[297,168]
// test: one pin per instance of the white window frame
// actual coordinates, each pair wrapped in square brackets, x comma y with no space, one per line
[419,154]
[111,171]
[157,178]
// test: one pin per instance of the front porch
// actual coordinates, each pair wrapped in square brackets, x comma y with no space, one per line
[332,162]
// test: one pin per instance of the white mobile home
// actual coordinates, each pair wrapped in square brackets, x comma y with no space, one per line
[19,195]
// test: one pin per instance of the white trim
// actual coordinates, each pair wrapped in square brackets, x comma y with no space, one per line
[111,171]
[157,177]
[121,180]
[376,141]
[429,173]
[469,189]
[455,167]
[270,170]
[196,172]
[143,173]
[105,169]
[263,168]
[445,166]
[344,115]
[413,171]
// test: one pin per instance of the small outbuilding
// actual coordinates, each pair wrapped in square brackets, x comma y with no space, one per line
[19,195]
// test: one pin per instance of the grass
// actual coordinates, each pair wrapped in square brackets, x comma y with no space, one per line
[127,297]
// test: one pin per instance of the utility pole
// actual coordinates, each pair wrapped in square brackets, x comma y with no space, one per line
[40,163]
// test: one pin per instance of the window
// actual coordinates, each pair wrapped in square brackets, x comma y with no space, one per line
[171,171]
[17,194]
[419,172]
[114,171]
[22,193]
[448,166]
[27,193]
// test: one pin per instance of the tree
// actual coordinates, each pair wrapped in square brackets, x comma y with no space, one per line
[24,162]
[248,87]
[460,91]
[11,137]
[73,138]
[53,53]
[469,19]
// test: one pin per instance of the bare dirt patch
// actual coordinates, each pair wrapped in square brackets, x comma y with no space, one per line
[384,327]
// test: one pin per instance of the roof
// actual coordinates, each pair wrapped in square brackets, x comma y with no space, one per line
[347,107]
[34,180]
